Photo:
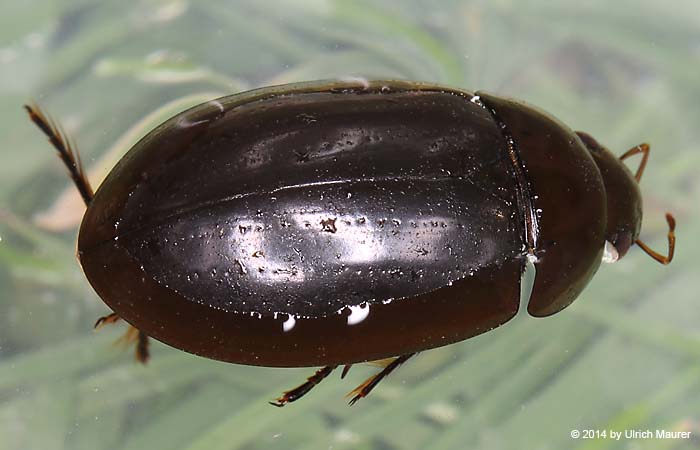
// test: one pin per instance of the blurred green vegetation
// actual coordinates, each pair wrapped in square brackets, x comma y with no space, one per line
[625,356]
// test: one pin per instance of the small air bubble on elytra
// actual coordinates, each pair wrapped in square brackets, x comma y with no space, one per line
[358,313]
[289,323]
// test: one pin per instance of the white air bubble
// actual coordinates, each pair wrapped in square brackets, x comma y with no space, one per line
[289,324]
[610,254]
[358,314]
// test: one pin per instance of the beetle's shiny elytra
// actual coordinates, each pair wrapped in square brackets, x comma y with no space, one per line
[331,223]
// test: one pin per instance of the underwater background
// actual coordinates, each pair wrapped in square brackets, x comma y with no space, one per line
[624,356]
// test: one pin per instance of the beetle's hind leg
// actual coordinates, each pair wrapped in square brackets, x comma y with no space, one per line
[66,151]
[301,390]
[71,159]
[131,336]
[359,392]
[365,388]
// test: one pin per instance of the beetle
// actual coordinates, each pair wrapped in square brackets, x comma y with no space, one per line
[336,222]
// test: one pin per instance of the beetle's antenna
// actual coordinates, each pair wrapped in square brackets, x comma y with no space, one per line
[671,243]
[69,156]
[644,149]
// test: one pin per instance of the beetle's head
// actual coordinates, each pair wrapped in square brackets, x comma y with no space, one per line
[624,201]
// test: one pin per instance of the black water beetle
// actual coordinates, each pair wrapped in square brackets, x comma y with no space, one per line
[330,223]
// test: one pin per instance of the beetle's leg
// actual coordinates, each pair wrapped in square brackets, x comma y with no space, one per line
[132,335]
[644,150]
[301,390]
[140,340]
[104,320]
[143,354]
[365,388]
[69,156]
[345,371]
[671,243]
[379,363]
